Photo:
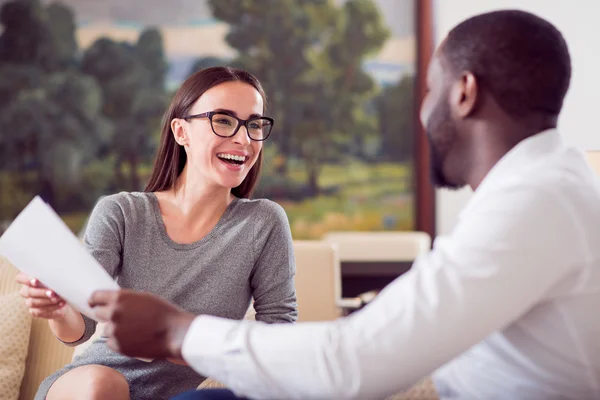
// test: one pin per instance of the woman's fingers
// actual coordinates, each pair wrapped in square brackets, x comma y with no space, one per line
[23,279]
[35,283]
[33,302]
[41,301]
[29,281]
[27,292]
[49,312]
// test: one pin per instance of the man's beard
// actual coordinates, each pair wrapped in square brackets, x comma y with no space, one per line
[440,143]
[436,167]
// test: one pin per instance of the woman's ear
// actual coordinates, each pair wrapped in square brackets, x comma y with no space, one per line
[178,126]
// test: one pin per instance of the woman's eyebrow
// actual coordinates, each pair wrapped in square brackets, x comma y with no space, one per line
[231,112]
[225,111]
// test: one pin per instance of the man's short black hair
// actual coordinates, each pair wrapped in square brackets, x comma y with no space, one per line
[521,59]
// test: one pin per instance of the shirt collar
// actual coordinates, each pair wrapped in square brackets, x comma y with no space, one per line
[523,153]
[516,159]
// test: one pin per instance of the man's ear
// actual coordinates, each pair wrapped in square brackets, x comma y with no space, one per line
[464,95]
[179,131]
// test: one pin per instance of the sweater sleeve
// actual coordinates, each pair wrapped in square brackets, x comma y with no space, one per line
[272,278]
[103,239]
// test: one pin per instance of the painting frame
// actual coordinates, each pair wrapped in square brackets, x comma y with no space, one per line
[424,194]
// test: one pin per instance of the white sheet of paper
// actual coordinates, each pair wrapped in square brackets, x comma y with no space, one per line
[41,245]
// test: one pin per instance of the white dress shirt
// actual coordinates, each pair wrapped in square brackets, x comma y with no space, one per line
[502,308]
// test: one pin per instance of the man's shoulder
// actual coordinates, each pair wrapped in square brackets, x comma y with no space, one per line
[557,194]
[554,179]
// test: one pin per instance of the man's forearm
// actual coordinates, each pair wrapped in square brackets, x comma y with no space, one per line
[249,357]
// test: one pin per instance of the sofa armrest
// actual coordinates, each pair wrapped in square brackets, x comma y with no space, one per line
[210,383]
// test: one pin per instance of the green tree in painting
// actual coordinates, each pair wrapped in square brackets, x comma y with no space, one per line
[54,130]
[26,38]
[208,62]
[132,80]
[50,122]
[149,50]
[274,40]
[64,116]
[37,35]
[395,107]
[309,54]
[61,24]
[338,121]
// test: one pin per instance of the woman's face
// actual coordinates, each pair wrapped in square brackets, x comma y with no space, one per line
[210,156]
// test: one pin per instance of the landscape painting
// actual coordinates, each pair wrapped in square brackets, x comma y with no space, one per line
[84,84]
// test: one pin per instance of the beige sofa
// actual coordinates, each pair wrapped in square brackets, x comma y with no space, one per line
[318,291]
[45,354]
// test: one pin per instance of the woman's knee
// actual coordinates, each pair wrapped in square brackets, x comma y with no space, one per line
[106,383]
[90,382]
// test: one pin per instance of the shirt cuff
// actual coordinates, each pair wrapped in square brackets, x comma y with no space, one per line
[207,340]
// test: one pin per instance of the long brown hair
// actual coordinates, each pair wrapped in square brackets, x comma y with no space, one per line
[171,157]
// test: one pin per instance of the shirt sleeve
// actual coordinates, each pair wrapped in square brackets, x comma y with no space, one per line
[272,278]
[504,257]
[103,239]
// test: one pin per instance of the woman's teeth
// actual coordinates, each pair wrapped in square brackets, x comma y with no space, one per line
[231,158]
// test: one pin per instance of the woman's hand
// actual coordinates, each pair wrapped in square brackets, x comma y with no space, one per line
[42,302]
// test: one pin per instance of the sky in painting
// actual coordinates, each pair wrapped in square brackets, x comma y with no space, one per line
[186,25]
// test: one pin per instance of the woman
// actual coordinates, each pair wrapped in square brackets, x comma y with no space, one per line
[192,236]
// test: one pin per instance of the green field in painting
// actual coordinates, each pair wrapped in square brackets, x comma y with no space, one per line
[368,197]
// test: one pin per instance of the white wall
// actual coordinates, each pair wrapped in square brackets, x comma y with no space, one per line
[579,22]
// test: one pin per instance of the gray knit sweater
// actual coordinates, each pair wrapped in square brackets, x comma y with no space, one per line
[247,254]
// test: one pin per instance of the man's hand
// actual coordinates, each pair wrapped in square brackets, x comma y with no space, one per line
[141,324]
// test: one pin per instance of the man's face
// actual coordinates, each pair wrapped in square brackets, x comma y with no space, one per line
[438,123]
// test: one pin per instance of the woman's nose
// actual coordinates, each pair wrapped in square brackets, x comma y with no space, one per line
[242,136]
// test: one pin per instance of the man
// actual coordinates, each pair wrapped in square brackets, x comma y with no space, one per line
[502,308]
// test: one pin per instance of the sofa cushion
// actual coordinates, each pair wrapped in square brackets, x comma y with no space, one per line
[14,331]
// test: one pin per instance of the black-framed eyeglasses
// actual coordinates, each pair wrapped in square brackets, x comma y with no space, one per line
[227,125]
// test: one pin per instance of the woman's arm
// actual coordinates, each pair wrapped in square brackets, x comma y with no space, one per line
[104,241]
[66,323]
[70,327]
[272,279]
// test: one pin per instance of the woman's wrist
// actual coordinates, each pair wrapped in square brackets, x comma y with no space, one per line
[70,327]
